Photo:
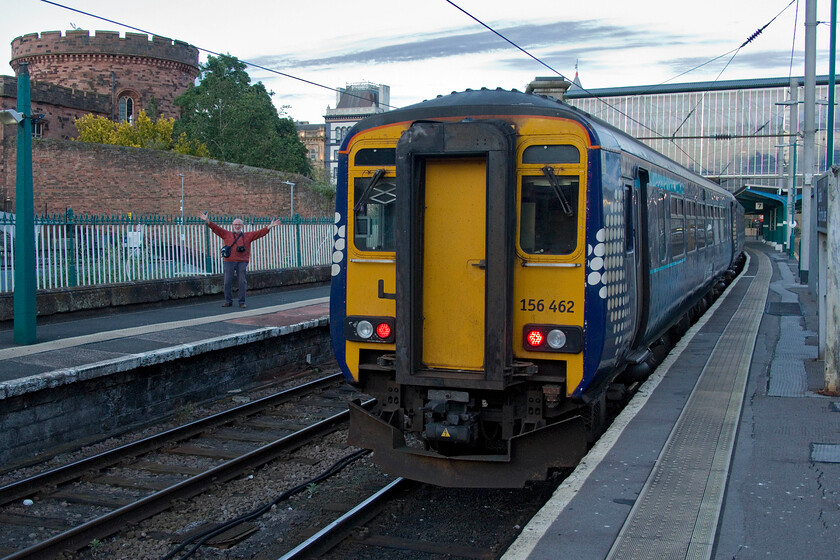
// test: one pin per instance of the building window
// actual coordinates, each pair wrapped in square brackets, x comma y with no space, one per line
[127,110]
[38,128]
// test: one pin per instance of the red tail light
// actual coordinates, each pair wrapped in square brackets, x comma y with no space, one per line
[534,338]
[383,330]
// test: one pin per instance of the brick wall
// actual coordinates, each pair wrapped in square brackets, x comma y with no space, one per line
[100,179]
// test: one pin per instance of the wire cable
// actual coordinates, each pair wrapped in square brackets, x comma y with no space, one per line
[202,538]
[214,53]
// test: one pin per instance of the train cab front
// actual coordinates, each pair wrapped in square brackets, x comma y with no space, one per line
[469,328]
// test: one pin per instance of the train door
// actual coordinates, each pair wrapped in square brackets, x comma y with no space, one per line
[636,204]
[453,263]
[454,254]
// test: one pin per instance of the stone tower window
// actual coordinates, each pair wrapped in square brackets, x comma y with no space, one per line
[127,109]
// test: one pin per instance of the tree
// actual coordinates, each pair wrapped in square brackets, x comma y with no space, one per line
[237,120]
[144,133]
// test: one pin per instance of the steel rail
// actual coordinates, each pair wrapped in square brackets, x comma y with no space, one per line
[330,536]
[65,473]
[112,522]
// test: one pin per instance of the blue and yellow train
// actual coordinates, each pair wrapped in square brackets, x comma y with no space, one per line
[502,263]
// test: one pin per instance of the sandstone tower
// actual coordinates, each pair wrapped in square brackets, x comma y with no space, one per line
[129,71]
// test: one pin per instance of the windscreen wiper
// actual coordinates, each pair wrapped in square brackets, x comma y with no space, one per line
[555,184]
[377,177]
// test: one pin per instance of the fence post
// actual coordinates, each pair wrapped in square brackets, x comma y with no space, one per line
[208,263]
[297,238]
[70,229]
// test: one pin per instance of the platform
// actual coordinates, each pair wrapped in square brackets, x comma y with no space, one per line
[95,375]
[727,451]
[88,344]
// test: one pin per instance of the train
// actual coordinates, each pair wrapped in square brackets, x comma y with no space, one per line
[505,266]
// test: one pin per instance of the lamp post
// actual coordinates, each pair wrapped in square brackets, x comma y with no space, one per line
[25,280]
[292,197]
[181,251]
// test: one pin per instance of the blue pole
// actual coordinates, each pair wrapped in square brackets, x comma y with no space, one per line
[25,308]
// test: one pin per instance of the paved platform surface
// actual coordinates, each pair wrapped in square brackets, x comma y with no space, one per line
[760,481]
[96,343]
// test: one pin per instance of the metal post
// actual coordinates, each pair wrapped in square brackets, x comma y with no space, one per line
[25,308]
[70,228]
[794,130]
[292,198]
[181,250]
[297,239]
[808,140]
[832,288]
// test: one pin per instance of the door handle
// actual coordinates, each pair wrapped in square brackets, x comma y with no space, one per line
[482,264]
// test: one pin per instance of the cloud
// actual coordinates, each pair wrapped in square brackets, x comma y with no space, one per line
[767,61]
[528,36]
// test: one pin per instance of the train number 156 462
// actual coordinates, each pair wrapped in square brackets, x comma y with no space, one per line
[556,305]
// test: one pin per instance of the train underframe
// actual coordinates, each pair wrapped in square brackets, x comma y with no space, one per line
[475,437]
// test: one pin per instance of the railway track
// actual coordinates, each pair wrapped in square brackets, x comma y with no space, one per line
[408,519]
[69,507]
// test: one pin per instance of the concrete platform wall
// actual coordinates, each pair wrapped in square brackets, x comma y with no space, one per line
[95,406]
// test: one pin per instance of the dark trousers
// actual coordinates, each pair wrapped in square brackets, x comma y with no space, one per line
[237,268]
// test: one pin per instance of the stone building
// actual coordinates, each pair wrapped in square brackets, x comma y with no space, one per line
[353,103]
[313,136]
[78,73]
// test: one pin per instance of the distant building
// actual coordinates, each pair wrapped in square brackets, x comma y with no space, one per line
[353,103]
[314,137]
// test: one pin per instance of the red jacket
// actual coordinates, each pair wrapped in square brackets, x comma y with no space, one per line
[244,240]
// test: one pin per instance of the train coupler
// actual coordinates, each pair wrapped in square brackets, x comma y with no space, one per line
[448,419]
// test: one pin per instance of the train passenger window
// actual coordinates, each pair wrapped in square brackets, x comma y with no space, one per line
[691,225]
[551,154]
[629,229]
[677,227]
[376,157]
[374,212]
[701,226]
[545,225]
[660,219]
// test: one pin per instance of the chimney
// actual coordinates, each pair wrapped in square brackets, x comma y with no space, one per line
[550,87]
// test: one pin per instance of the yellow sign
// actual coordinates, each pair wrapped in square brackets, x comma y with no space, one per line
[445,433]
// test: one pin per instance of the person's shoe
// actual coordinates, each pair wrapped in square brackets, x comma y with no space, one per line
[242,305]
[227,304]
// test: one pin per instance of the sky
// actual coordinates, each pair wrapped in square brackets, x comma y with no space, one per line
[426,48]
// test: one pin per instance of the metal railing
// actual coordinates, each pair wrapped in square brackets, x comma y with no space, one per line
[86,250]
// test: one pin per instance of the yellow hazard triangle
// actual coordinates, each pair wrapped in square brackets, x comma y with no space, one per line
[445,433]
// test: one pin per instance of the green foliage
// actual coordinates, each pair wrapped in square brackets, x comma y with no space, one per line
[321,186]
[144,133]
[237,120]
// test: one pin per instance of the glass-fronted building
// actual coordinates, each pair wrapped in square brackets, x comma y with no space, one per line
[737,133]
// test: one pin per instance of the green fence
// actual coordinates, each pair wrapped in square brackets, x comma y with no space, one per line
[84,250]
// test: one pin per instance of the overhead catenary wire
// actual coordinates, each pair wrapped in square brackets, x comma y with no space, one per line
[344,91]
[214,53]
[672,138]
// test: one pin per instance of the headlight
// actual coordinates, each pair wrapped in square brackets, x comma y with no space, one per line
[556,339]
[364,329]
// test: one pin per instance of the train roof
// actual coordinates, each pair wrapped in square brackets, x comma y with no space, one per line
[501,102]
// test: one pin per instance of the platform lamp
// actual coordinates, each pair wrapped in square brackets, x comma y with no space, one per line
[25,280]
[292,197]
